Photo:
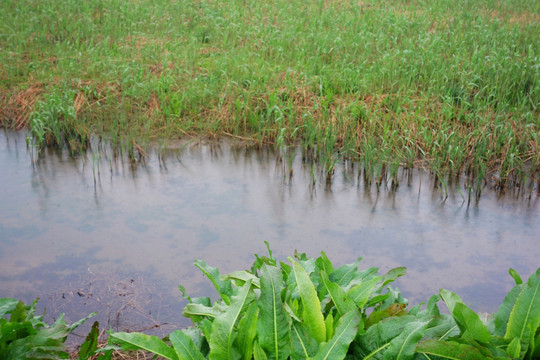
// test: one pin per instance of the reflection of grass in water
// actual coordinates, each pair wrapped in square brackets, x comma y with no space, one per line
[388,82]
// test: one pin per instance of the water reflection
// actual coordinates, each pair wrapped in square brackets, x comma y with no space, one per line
[69,223]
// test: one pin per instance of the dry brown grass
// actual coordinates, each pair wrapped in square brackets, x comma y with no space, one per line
[15,108]
[521,19]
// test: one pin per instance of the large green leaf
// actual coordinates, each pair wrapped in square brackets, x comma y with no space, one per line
[7,305]
[138,341]
[11,331]
[503,314]
[339,297]
[197,312]
[243,276]
[311,306]
[336,348]
[184,346]
[469,321]
[345,273]
[223,328]
[534,349]
[303,345]
[361,293]
[223,288]
[514,348]
[442,327]
[378,337]
[247,331]
[525,316]
[397,309]
[449,350]
[450,298]
[403,346]
[323,263]
[392,275]
[34,347]
[90,345]
[258,352]
[273,328]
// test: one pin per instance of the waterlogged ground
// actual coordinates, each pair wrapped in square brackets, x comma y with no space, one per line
[98,233]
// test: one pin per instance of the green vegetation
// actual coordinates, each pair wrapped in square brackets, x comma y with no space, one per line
[23,335]
[309,309]
[451,85]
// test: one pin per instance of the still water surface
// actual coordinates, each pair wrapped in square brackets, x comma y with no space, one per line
[94,233]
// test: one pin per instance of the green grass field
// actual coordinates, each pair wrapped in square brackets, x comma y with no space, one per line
[450,85]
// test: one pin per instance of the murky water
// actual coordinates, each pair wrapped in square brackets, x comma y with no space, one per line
[94,233]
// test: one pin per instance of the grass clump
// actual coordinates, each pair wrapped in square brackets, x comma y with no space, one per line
[449,85]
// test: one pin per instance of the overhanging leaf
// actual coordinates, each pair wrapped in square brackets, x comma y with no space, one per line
[138,341]
[223,288]
[192,310]
[244,276]
[392,275]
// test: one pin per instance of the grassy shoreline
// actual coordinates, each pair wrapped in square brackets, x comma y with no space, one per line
[390,83]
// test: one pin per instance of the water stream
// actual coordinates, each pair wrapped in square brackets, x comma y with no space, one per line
[95,232]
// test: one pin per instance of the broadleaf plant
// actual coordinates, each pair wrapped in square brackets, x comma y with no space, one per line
[310,309]
[23,335]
